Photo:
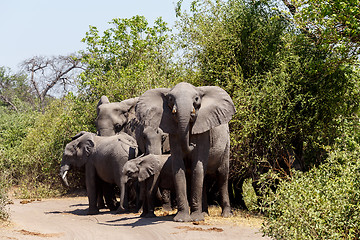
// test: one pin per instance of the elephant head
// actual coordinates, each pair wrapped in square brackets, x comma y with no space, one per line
[185,110]
[154,140]
[76,153]
[142,168]
[112,117]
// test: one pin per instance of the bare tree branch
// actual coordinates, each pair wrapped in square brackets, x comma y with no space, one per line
[8,101]
[46,73]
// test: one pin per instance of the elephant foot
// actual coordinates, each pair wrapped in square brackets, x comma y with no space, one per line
[206,213]
[167,207]
[121,210]
[197,216]
[113,207]
[101,206]
[93,211]
[182,217]
[226,212]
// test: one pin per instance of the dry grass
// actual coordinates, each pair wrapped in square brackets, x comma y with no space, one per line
[239,217]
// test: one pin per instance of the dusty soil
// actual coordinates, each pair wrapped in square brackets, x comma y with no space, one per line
[65,218]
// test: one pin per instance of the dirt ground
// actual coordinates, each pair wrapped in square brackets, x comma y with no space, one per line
[65,218]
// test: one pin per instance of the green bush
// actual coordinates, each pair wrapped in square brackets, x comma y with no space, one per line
[323,203]
[36,160]
[4,214]
[287,98]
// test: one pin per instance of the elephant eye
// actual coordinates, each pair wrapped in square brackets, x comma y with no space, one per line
[197,102]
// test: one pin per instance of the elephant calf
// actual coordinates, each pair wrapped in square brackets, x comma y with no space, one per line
[103,157]
[152,172]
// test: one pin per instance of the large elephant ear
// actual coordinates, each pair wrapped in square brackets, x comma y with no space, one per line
[152,110]
[148,167]
[86,144]
[216,108]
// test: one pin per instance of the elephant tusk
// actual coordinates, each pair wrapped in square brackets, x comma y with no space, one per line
[193,111]
[64,175]
[174,110]
[65,179]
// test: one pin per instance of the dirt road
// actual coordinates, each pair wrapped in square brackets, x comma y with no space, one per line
[66,218]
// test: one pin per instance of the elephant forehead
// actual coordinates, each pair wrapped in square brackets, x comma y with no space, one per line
[69,149]
[184,89]
[130,166]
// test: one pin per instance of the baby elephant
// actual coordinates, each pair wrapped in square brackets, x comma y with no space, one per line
[103,157]
[152,172]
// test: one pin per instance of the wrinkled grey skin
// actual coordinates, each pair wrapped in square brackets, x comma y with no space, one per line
[116,117]
[196,119]
[152,172]
[103,157]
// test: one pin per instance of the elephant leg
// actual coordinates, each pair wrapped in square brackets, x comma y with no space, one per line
[178,168]
[100,193]
[224,193]
[197,193]
[145,198]
[200,158]
[205,207]
[109,195]
[166,202]
[91,189]
[223,183]
[151,191]
[240,198]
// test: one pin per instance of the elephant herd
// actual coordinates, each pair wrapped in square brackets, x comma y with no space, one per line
[159,145]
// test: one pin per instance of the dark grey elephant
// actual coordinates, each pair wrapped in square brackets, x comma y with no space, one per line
[116,117]
[153,172]
[103,157]
[196,119]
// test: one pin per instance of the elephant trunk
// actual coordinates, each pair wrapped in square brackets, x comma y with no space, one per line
[184,130]
[123,182]
[63,172]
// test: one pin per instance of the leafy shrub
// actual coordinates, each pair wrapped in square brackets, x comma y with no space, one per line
[287,98]
[37,159]
[323,203]
[4,214]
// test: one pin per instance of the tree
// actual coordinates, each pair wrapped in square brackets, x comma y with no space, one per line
[333,25]
[13,88]
[45,74]
[127,59]
[287,94]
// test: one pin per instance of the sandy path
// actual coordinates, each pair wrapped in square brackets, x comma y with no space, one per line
[66,218]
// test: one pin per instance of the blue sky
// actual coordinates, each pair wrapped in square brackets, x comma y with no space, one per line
[50,28]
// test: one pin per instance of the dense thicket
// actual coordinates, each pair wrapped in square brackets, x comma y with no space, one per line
[288,100]
[296,95]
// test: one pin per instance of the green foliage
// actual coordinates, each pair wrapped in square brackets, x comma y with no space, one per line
[323,203]
[14,91]
[14,126]
[333,26]
[33,158]
[129,58]
[287,98]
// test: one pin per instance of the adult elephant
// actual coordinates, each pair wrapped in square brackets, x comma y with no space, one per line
[196,119]
[115,117]
[103,157]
